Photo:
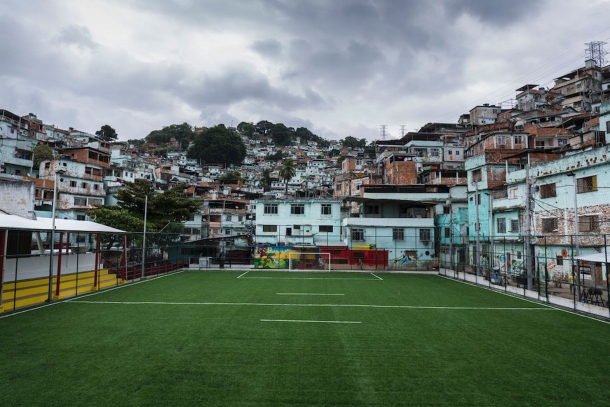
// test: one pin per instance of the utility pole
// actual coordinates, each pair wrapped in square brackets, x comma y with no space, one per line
[450,231]
[402,130]
[383,131]
[477,230]
[527,227]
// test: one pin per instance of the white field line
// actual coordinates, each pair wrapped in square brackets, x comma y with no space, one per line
[254,304]
[87,295]
[240,276]
[305,294]
[310,278]
[528,300]
[374,275]
[311,321]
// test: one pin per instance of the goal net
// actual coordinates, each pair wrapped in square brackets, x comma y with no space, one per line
[307,261]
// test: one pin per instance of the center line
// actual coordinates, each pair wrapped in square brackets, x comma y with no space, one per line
[311,321]
[305,294]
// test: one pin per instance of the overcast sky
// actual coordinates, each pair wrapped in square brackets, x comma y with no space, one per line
[338,67]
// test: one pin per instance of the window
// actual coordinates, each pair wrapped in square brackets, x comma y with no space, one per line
[501,225]
[562,142]
[549,225]
[398,234]
[326,229]
[371,209]
[559,260]
[518,255]
[80,201]
[450,152]
[297,209]
[269,228]
[434,152]
[457,152]
[326,209]
[513,193]
[358,255]
[80,217]
[539,143]
[548,191]
[477,176]
[446,209]
[338,187]
[73,184]
[95,202]
[589,223]
[586,184]
[229,218]
[358,234]
[501,141]
[271,209]
[96,187]
[447,232]
[518,139]
[514,225]
[424,235]
[296,227]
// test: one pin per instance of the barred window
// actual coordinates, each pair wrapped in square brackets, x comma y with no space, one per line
[326,228]
[398,234]
[269,228]
[447,232]
[501,225]
[358,234]
[548,191]
[586,184]
[371,209]
[550,225]
[514,225]
[589,223]
[424,235]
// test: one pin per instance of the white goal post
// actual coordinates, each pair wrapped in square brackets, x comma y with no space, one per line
[307,261]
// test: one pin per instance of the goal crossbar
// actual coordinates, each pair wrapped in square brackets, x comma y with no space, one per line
[307,261]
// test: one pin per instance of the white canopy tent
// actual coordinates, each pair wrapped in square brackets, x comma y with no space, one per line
[61,225]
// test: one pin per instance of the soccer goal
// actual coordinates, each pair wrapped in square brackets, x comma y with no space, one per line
[307,261]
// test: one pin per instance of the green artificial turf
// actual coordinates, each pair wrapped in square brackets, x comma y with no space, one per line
[197,338]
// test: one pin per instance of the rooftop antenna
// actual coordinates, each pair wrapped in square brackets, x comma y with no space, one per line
[402,130]
[595,51]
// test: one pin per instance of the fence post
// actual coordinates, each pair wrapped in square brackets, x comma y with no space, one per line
[58,281]
[97,262]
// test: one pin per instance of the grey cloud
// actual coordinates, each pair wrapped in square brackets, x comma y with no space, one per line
[271,48]
[77,35]
[247,85]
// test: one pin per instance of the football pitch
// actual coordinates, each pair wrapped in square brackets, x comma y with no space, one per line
[225,338]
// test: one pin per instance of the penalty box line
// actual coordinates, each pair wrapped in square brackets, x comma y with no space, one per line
[254,304]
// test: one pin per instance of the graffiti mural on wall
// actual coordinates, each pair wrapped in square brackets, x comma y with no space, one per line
[272,257]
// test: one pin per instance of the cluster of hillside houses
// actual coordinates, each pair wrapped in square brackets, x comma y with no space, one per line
[497,187]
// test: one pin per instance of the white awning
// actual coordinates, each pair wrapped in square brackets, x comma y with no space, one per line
[61,225]
[595,258]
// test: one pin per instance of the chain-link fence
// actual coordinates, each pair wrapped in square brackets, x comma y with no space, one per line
[566,270]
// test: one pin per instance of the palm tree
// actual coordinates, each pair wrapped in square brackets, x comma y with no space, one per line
[287,171]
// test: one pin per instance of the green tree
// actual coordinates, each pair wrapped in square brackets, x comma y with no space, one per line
[287,171]
[353,142]
[232,177]
[246,129]
[42,152]
[334,153]
[278,155]
[183,133]
[266,180]
[218,145]
[164,208]
[263,127]
[281,134]
[107,133]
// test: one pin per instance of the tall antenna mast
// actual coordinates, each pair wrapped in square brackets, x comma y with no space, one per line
[402,130]
[595,51]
